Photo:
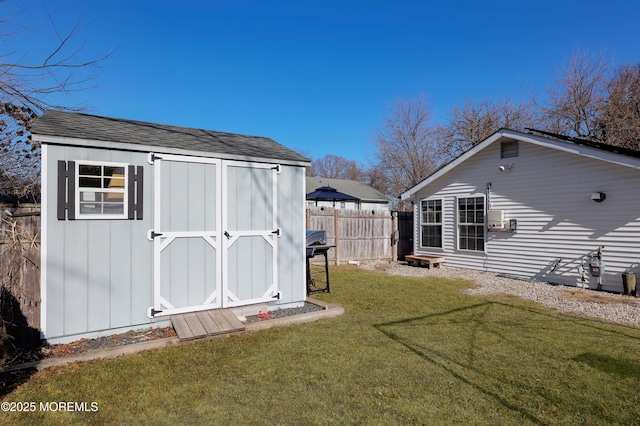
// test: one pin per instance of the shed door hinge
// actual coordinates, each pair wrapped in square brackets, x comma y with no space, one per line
[151,235]
[152,157]
[151,312]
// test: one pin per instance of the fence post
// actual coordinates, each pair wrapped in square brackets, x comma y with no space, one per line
[394,236]
[336,231]
[308,218]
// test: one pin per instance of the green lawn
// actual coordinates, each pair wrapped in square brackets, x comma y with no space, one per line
[406,351]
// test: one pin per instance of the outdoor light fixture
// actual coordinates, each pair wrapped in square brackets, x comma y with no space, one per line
[598,197]
[507,167]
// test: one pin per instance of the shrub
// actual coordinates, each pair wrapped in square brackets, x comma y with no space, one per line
[3,341]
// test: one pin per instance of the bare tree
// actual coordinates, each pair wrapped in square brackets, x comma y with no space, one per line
[376,177]
[577,96]
[406,145]
[619,120]
[28,87]
[337,167]
[33,83]
[474,122]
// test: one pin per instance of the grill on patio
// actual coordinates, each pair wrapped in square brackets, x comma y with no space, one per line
[317,274]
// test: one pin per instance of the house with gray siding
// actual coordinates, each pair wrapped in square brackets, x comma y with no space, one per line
[366,197]
[534,205]
[143,220]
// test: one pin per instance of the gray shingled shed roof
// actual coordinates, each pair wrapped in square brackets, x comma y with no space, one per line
[351,187]
[74,125]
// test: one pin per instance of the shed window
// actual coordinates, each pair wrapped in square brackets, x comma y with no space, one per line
[509,149]
[471,223]
[101,190]
[431,223]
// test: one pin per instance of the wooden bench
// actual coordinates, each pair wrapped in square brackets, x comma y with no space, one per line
[424,260]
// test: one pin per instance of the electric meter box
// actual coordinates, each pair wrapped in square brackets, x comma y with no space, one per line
[496,220]
[596,267]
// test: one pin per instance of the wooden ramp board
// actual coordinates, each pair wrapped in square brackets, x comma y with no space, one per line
[424,260]
[196,325]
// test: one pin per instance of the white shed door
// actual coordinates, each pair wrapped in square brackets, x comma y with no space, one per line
[186,234]
[251,233]
[215,234]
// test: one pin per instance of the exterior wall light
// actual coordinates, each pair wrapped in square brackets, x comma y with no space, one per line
[598,197]
[507,167]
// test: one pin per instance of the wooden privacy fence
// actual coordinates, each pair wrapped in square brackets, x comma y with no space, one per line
[20,278]
[359,235]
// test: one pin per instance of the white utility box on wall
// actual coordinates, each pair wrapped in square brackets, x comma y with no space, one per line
[496,220]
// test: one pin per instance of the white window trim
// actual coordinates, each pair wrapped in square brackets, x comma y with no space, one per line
[458,223]
[78,189]
[441,223]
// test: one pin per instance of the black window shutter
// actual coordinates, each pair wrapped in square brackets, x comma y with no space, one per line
[66,190]
[135,190]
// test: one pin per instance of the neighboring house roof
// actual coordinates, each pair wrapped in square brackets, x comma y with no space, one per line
[354,188]
[623,156]
[62,124]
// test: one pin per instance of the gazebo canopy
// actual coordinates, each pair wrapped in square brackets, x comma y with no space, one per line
[327,193]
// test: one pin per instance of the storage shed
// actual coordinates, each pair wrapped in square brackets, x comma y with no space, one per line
[143,220]
[534,205]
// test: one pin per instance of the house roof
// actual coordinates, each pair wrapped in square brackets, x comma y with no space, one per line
[596,150]
[354,188]
[65,127]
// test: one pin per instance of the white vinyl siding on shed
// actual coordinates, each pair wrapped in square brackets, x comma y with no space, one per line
[98,272]
[98,277]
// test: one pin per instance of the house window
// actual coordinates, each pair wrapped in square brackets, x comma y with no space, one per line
[471,223]
[101,190]
[431,223]
[509,149]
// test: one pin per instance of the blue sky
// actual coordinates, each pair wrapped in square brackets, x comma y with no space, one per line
[319,76]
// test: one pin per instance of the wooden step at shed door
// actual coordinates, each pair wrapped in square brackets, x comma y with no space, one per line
[196,325]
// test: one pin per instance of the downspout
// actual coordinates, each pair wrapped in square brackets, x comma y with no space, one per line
[486,226]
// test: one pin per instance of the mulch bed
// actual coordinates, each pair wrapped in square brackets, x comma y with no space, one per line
[21,356]
[281,313]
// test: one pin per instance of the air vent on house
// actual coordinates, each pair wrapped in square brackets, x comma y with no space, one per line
[509,149]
